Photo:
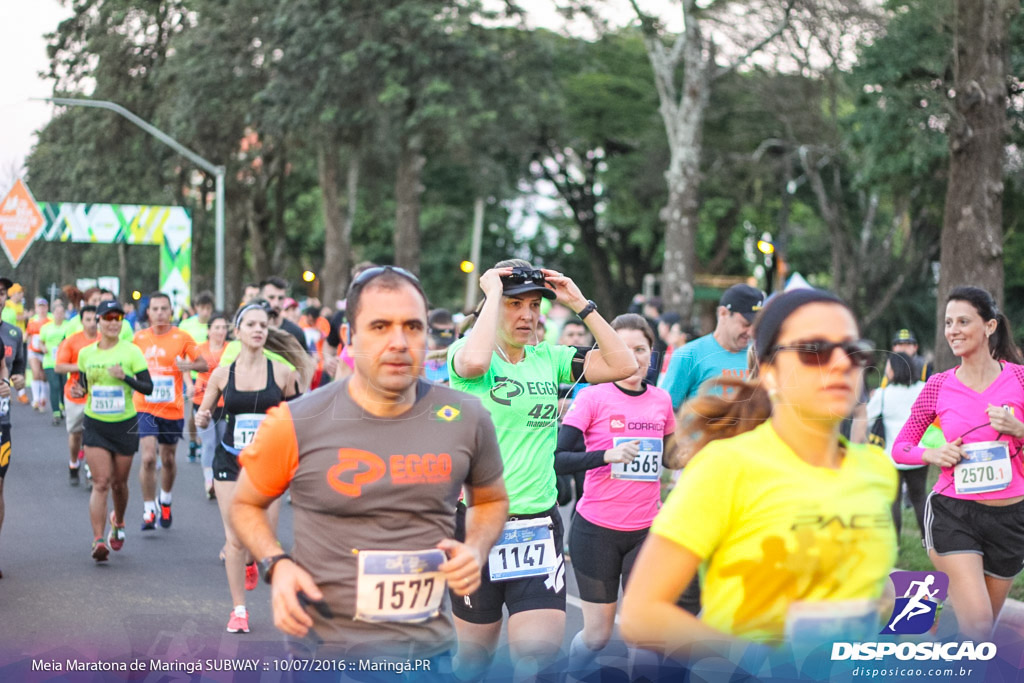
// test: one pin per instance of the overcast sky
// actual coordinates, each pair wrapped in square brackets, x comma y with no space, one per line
[23,56]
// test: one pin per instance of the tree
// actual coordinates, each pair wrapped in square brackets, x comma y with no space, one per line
[684,99]
[972,230]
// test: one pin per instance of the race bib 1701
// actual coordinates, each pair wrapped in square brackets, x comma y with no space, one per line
[246,425]
[404,586]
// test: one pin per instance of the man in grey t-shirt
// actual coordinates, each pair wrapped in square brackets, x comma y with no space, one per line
[375,465]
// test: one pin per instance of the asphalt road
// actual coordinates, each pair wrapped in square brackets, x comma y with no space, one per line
[163,596]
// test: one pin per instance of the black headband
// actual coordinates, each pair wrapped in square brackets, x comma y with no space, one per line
[766,329]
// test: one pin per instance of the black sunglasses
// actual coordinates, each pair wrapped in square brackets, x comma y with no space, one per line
[522,275]
[819,352]
[371,273]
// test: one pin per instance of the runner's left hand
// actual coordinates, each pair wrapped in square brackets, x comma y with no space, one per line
[1003,421]
[116,371]
[566,290]
[462,570]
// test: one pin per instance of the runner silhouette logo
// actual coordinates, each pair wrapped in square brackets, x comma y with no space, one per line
[918,596]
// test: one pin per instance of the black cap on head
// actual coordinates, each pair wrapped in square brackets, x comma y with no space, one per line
[743,299]
[904,336]
[525,280]
[108,307]
[670,318]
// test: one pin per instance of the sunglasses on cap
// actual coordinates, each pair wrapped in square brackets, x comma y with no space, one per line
[521,276]
[818,352]
[111,317]
[371,273]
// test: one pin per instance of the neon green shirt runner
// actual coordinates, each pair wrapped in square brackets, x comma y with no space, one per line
[110,399]
[52,335]
[127,333]
[197,329]
[523,401]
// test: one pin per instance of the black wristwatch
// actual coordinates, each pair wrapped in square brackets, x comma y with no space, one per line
[267,564]
[587,310]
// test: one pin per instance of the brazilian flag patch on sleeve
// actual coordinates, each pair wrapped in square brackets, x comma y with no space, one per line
[447,413]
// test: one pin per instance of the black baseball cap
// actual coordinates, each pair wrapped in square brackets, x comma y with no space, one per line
[525,280]
[743,299]
[904,336]
[108,307]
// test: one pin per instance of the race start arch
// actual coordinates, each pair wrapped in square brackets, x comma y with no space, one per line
[169,227]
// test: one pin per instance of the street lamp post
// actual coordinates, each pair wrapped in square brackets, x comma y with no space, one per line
[217,171]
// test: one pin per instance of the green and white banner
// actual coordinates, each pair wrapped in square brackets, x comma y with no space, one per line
[170,227]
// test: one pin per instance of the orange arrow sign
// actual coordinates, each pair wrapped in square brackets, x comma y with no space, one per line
[20,222]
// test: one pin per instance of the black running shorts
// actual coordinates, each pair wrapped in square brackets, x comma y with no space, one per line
[5,449]
[517,595]
[954,525]
[120,438]
[225,465]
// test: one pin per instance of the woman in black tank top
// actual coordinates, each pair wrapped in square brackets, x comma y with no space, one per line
[251,385]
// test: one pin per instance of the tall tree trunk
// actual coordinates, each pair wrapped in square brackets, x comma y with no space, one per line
[685,125]
[122,271]
[972,228]
[408,188]
[337,228]
[234,245]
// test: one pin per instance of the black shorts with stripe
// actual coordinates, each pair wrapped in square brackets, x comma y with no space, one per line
[996,532]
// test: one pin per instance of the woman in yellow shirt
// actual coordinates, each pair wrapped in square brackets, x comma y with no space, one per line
[789,522]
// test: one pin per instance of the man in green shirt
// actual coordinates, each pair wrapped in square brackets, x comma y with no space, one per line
[50,336]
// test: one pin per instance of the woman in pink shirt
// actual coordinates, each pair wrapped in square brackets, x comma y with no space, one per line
[974,517]
[621,433]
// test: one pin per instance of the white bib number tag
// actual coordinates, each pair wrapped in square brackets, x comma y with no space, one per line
[5,405]
[107,400]
[646,466]
[986,468]
[246,425]
[399,586]
[838,620]
[526,548]
[163,390]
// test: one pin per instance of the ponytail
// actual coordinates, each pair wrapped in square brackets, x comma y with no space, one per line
[1001,342]
[286,346]
[727,407]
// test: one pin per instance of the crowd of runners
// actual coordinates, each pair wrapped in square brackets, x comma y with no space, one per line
[426,456]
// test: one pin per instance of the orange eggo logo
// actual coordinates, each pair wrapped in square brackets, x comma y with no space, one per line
[354,470]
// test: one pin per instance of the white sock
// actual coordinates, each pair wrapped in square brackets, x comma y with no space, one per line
[165,497]
[580,656]
[240,611]
[208,474]
[37,391]
[149,506]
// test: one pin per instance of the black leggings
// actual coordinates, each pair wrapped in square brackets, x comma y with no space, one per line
[917,484]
